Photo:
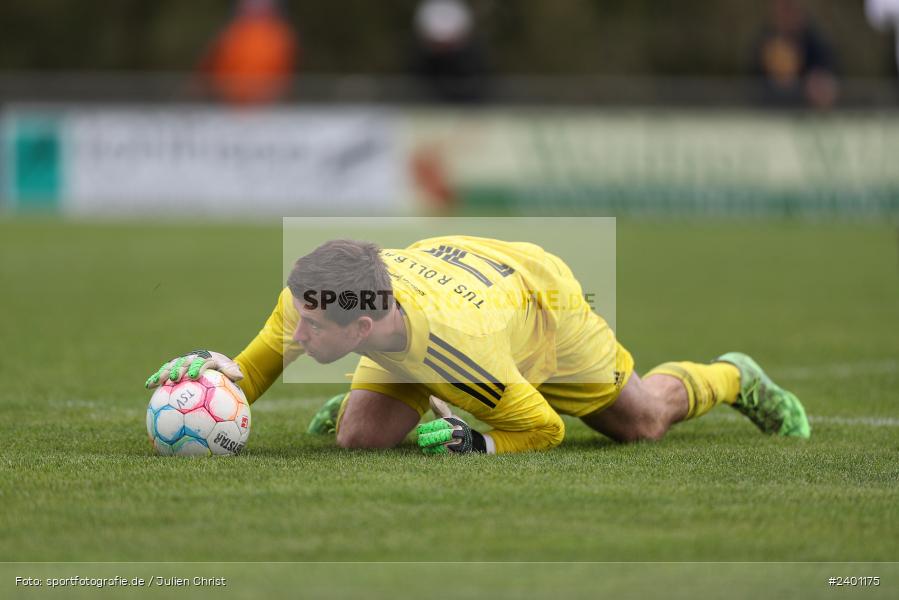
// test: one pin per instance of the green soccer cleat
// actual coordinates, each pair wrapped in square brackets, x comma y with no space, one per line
[773,409]
[325,420]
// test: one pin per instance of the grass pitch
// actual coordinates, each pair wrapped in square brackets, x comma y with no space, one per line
[88,311]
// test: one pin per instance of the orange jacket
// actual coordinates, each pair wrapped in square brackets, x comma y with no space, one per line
[253,59]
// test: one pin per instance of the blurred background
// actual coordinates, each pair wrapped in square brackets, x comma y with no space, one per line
[747,148]
[263,108]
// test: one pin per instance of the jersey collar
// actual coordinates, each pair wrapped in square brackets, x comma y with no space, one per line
[417,331]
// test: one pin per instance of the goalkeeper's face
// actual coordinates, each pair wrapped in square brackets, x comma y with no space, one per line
[325,340]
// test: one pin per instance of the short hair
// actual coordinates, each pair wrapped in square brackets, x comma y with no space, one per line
[350,274]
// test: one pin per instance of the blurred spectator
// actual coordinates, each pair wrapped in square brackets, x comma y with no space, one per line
[447,55]
[252,59]
[884,15]
[794,60]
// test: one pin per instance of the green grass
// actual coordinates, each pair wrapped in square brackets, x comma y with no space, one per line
[88,311]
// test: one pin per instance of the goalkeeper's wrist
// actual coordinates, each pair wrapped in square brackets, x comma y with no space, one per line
[482,442]
[489,444]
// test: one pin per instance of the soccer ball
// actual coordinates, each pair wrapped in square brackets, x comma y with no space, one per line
[197,418]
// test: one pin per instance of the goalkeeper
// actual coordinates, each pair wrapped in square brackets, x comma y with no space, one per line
[499,329]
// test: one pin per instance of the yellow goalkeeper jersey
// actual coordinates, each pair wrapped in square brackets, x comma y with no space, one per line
[488,323]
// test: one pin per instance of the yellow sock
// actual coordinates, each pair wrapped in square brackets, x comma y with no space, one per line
[707,385]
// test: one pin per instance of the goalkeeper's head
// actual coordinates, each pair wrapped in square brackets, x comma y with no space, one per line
[343,293]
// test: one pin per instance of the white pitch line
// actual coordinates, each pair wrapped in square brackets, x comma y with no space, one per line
[285,404]
[867,421]
[288,404]
[828,420]
[842,370]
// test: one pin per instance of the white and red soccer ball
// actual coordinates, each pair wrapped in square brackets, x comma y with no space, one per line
[197,418]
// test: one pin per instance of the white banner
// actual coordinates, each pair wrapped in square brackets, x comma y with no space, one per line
[224,162]
[177,160]
[651,162]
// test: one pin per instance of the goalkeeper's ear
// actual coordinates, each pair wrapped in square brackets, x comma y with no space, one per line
[441,409]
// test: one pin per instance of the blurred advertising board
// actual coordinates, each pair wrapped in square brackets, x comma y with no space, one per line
[489,161]
[655,162]
[131,161]
[32,165]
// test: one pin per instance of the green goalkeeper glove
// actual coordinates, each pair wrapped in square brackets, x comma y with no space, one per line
[193,365]
[449,433]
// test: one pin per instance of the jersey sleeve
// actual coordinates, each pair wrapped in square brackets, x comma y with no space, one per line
[524,421]
[481,377]
[264,358]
